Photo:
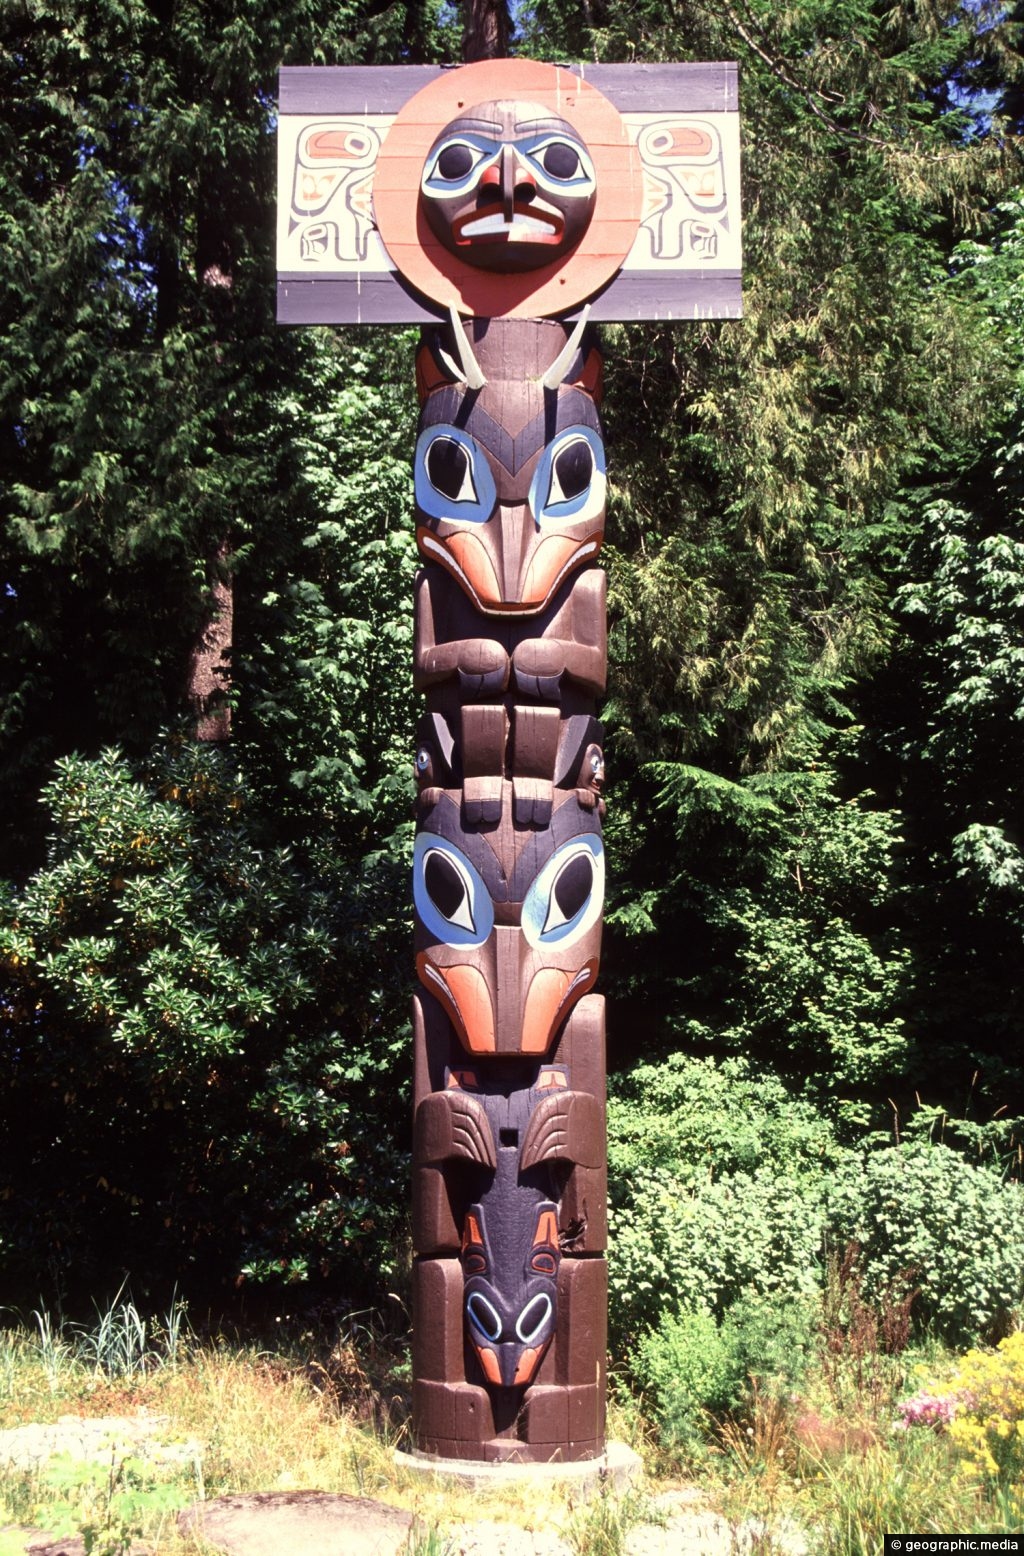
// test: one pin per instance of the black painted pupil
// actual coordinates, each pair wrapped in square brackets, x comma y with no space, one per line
[560,160]
[447,465]
[574,467]
[455,162]
[572,887]
[445,886]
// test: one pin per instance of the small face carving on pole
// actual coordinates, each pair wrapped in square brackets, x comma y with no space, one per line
[508,186]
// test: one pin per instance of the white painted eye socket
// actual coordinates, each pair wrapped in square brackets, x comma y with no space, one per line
[451,899]
[483,1316]
[560,164]
[534,1318]
[456,165]
[569,481]
[452,478]
[566,899]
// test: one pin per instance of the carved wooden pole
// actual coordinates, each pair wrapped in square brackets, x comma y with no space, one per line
[509,200]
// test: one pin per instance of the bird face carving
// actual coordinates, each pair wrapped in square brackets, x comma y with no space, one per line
[508,953]
[510,505]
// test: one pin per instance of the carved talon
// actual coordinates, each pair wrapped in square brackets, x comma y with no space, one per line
[490,684]
[539,665]
[483,668]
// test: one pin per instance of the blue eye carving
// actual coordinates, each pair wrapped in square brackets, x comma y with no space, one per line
[452,477]
[566,898]
[483,1316]
[451,899]
[569,481]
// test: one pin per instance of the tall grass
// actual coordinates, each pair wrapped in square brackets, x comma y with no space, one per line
[820,1458]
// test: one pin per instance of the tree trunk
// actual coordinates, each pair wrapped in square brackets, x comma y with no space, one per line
[486,30]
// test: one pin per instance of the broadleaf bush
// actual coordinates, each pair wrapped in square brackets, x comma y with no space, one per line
[956,1227]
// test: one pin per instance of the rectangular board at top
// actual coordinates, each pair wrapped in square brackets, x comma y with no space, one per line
[685,261]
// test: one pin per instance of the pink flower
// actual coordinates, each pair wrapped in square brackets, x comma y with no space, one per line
[927,1409]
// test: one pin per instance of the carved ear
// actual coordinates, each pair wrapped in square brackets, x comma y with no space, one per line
[578,733]
[560,366]
[467,370]
[566,1125]
[436,759]
[452,1124]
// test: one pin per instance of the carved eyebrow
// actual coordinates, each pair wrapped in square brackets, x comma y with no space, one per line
[461,125]
[548,127]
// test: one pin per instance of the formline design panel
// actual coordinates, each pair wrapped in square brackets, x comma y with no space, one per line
[683,259]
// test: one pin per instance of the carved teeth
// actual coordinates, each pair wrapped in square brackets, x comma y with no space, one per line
[520,229]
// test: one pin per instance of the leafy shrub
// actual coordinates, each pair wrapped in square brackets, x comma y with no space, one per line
[958,1229]
[700,1118]
[692,1368]
[196,1028]
[688,1370]
[772,1340]
[675,1247]
[716,1188]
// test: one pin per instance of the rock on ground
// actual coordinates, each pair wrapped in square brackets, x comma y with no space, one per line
[313,1523]
[94,1438]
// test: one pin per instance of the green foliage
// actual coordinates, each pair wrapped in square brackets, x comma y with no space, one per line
[151,413]
[787,951]
[693,1367]
[727,1195]
[687,1370]
[955,1230]
[944,717]
[201,1021]
[716,1190]
[773,1341]
[671,1247]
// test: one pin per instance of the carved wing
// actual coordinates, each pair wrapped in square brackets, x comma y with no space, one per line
[451,1124]
[566,1125]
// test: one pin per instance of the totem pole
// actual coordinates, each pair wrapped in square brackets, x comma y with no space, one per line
[503,205]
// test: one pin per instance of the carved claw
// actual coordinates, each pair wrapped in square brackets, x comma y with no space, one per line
[483,668]
[538,665]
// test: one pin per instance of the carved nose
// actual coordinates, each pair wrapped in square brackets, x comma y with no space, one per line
[517,186]
[508,990]
[508,183]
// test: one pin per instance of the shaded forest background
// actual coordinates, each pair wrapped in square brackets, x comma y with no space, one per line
[815,717]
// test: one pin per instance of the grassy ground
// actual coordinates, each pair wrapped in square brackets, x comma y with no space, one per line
[328,1416]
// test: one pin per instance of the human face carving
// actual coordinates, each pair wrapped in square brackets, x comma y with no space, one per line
[508,186]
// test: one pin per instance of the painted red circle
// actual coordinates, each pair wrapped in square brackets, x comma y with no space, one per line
[553,288]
